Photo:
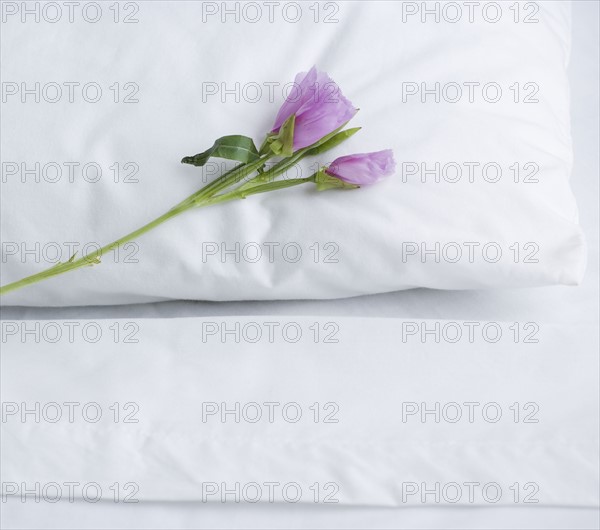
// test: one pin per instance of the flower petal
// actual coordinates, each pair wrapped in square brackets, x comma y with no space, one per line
[363,168]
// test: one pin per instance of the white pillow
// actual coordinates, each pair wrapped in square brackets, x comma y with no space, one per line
[297,243]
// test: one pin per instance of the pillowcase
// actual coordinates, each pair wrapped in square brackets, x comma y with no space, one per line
[472,99]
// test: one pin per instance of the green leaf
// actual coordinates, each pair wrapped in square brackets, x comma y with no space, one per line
[234,147]
[327,182]
[332,142]
[325,138]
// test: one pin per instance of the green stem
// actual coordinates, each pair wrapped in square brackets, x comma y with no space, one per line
[199,198]
[324,144]
[263,188]
[93,257]
[206,196]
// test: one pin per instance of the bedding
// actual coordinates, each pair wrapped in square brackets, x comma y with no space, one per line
[475,109]
[266,409]
[560,306]
[210,516]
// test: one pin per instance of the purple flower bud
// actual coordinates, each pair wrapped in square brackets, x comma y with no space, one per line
[319,106]
[363,168]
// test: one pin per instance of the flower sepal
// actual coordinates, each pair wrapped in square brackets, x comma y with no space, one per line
[327,182]
[282,142]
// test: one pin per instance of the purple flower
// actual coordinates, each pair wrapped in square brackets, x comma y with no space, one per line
[363,168]
[319,106]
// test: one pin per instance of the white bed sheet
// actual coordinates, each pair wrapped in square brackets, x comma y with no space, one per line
[558,305]
[169,516]
[353,410]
